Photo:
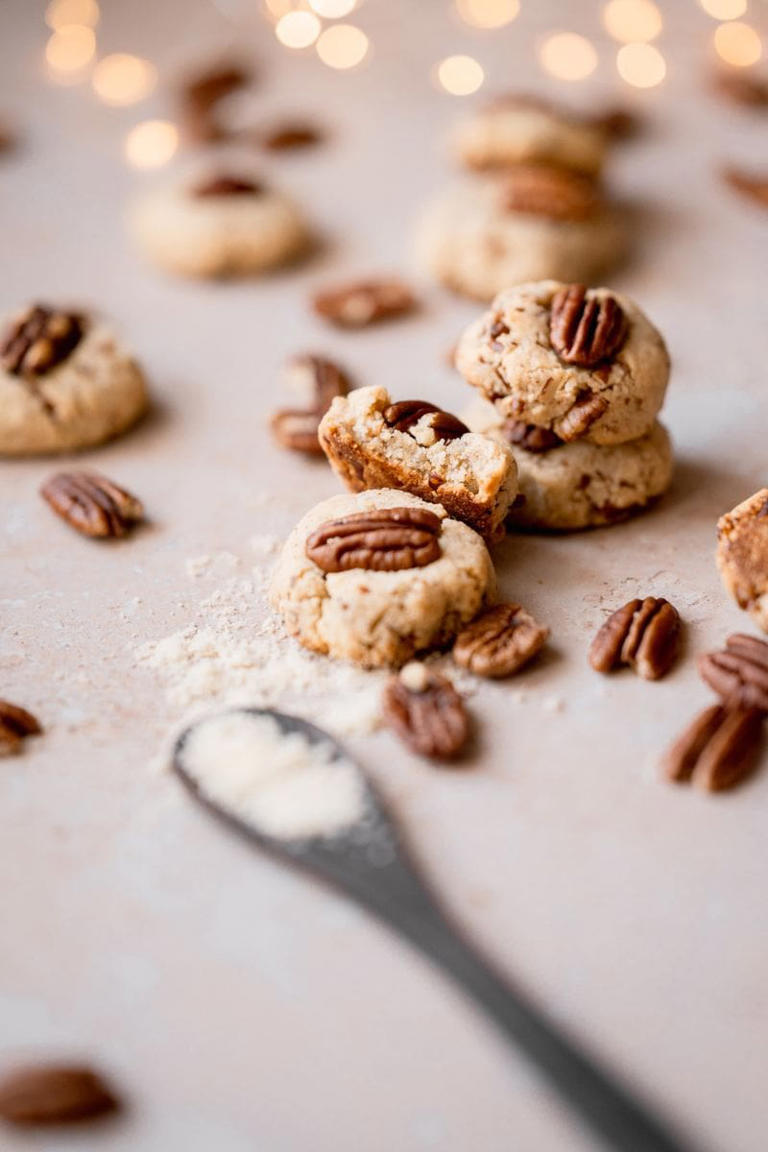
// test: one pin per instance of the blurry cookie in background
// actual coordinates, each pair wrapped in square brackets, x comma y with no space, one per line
[742,555]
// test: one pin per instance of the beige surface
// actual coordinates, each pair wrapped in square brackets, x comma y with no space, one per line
[239,1006]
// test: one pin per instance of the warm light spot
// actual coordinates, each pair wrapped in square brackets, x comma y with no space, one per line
[488,13]
[333,9]
[641,65]
[568,56]
[298,29]
[632,21]
[738,44]
[460,75]
[151,144]
[342,46]
[724,9]
[59,13]
[69,49]
[278,8]
[122,79]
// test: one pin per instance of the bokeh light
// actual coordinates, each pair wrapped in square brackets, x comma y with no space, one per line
[298,29]
[488,13]
[70,49]
[151,143]
[460,75]
[333,9]
[121,79]
[738,44]
[59,13]
[724,9]
[568,56]
[342,46]
[641,65]
[632,21]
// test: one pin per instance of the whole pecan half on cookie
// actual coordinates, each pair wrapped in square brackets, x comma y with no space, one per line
[717,750]
[541,190]
[586,330]
[499,641]
[405,413]
[321,381]
[426,712]
[739,673]
[15,725]
[386,540]
[54,1094]
[363,302]
[92,504]
[39,339]
[644,634]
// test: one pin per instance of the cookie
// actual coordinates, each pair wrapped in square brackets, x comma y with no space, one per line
[222,226]
[742,555]
[517,129]
[529,224]
[582,364]
[65,383]
[580,485]
[418,448]
[378,590]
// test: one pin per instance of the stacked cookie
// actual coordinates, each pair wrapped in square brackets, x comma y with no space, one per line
[533,207]
[572,379]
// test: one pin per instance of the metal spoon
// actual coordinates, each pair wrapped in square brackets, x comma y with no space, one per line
[369,862]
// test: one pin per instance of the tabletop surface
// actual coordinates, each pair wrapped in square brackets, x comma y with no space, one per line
[238,1006]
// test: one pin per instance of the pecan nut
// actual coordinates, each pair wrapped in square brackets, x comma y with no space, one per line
[364,302]
[293,134]
[92,504]
[426,712]
[499,641]
[442,425]
[739,674]
[226,185]
[717,750]
[750,91]
[644,634]
[752,185]
[15,724]
[530,436]
[39,340]
[587,409]
[586,330]
[541,190]
[319,381]
[384,540]
[200,97]
[54,1094]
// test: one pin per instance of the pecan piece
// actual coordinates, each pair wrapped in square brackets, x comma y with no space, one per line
[586,330]
[587,409]
[741,87]
[530,436]
[499,641]
[364,302]
[319,381]
[226,185]
[38,340]
[384,540]
[403,415]
[717,750]
[541,190]
[54,1094]
[426,712]
[644,634]
[753,185]
[293,134]
[739,674]
[92,504]
[617,123]
[200,97]
[15,724]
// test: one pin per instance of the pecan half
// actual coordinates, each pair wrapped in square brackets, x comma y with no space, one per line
[739,674]
[717,750]
[319,381]
[200,97]
[92,504]
[364,302]
[385,540]
[586,330]
[753,185]
[617,123]
[39,339]
[54,1094]
[742,87]
[541,190]
[499,641]
[530,436]
[406,413]
[644,634]
[587,409]
[426,712]
[15,724]
[225,185]
[294,134]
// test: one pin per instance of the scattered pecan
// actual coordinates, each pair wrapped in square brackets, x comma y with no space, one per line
[200,97]
[39,339]
[364,302]
[320,381]
[739,674]
[92,504]
[224,185]
[7,139]
[586,330]
[406,413]
[54,1094]
[753,185]
[15,724]
[384,540]
[499,641]
[295,134]
[644,634]
[426,712]
[531,436]
[617,123]
[541,190]
[742,87]
[717,750]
